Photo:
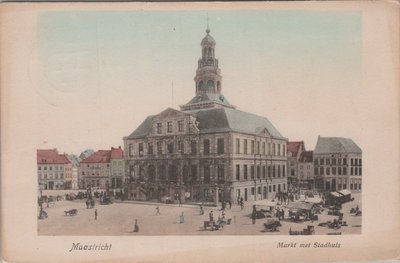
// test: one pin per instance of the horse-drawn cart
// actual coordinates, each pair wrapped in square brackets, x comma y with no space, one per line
[272,224]
[306,231]
[72,212]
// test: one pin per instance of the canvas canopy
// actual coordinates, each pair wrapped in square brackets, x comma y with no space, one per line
[265,203]
[345,192]
[301,205]
[314,200]
[336,194]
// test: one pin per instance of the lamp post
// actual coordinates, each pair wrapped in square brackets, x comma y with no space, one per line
[41,195]
[255,189]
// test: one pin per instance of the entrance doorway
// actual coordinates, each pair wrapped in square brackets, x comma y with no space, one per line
[327,185]
[333,184]
[238,194]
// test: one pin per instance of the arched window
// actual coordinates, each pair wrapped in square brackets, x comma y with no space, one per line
[218,86]
[200,85]
[172,174]
[152,174]
[210,85]
[161,172]
[185,174]
[209,52]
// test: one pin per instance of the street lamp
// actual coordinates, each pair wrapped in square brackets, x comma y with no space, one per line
[41,194]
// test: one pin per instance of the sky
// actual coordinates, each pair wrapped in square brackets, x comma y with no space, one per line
[101,73]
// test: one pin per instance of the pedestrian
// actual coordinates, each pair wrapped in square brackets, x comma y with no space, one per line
[158,211]
[87,204]
[253,216]
[230,204]
[180,201]
[223,205]
[182,219]
[136,227]
[283,214]
[211,216]
[241,204]
[201,210]
[238,200]
[95,214]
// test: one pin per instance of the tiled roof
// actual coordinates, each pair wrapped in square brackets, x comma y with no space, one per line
[51,156]
[207,98]
[117,153]
[86,153]
[226,119]
[105,156]
[143,129]
[336,145]
[306,157]
[219,120]
[294,147]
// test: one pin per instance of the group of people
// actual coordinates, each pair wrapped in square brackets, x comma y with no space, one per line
[280,213]
[224,203]
[90,203]
[240,202]
[285,197]
[220,222]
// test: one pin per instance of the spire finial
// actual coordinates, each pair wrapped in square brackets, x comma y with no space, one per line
[208,26]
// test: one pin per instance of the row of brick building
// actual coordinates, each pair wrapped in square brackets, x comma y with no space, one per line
[103,169]
[334,164]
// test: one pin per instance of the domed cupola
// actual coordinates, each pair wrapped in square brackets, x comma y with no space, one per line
[208,75]
[208,79]
[208,40]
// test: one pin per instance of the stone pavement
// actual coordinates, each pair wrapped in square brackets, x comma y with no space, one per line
[118,219]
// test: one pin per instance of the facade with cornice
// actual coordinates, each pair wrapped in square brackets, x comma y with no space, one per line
[54,170]
[208,150]
[294,150]
[337,164]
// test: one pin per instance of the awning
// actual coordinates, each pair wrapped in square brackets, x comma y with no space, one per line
[336,194]
[313,200]
[301,205]
[345,192]
[265,203]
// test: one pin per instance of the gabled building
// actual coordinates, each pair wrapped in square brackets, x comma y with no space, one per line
[337,164]
[294,150]
[95,170]
[206,151]
[103,169]
[75,164]
[54,170]
[117,168]
[306,170]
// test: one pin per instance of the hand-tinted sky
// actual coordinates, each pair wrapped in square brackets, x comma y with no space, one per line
[106,71]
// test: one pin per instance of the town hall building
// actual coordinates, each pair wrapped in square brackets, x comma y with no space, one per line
[208,150]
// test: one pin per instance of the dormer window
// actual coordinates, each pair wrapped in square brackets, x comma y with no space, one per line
[180,125]
[159,128]
[169,126]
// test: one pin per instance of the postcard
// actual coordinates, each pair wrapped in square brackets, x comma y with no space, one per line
[218,132]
